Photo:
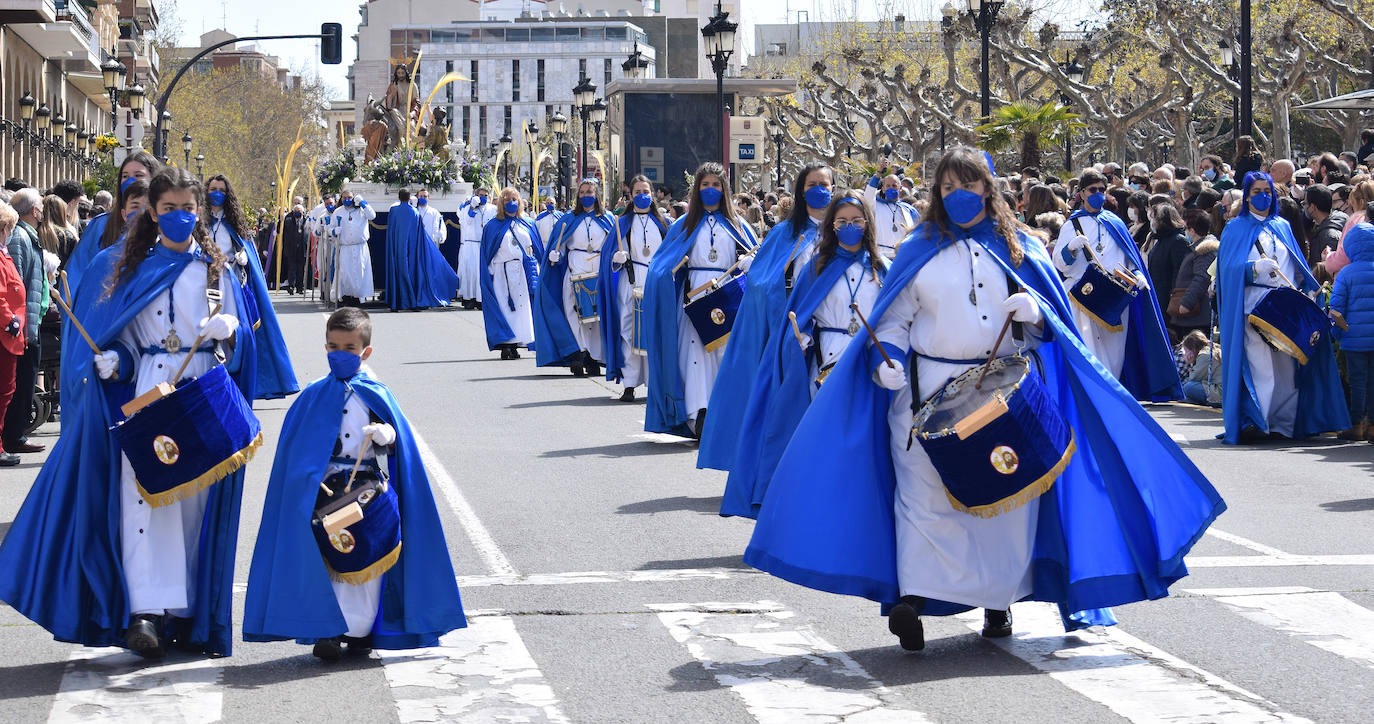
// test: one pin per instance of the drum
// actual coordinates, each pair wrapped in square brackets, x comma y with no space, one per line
[584,297]
[187,441]
[712,313]
[358,529]
[1290,322]
[997,448]
[637,340]
[1103,295]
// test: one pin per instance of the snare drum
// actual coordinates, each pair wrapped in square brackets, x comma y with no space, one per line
[1290,322]
[190,439]
[1103,295]
[584,297]
[637,341]
[713,313]
[368,545]
[997,448]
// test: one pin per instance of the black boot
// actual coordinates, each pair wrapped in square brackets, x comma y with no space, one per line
[904,620]
[577,369]
[144,636]
[593,367]
[628,395]
[330,649]
[699,424]
[996,624]
[505,351]
[515,351]
[359,645]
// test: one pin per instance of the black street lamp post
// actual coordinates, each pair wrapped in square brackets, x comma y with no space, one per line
[598,118]
[503,153]
[637,67]
[775,130]
[583,93]
[164,128]
[1246,108]
[200,166]
[186,143]
[984,14]
[1228,60]
[719,39]
[112,73]
[1075,73]
[559,125]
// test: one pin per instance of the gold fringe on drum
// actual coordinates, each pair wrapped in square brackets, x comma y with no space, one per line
[1094,317]
[203,481]
[1278,340]
[1027,494]
[382,565]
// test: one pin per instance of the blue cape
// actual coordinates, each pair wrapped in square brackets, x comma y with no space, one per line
[60,563]
[608,294]
[1149,372]
[1112,530]
[289,591]
[85,250]
[493,235]
[1321,399]
[765,298]
[276,376]
[665,407]
[554,343]
[417,276]
[781,390]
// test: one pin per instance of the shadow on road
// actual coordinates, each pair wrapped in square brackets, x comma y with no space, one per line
[31,680]
[575,402]
[1357,505]
[620,450]
[451,361]
[667,505]
[692,563]
[516,378]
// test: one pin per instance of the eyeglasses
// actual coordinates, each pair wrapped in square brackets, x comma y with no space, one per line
[857,222]
[1097,189]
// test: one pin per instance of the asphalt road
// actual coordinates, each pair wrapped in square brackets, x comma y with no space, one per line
[602,587]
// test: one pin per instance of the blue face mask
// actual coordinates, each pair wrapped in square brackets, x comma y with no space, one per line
[962,205]
[344,364]
[1261,201]
[818,197]
[587,201]
[711,195]
[124,185]
[482,199]
[1095,201]
[423,200]
[177,225]
[348,203]
[216,198]
[512,207]
[891,194]
[850,234]
[643,201]
[1210,174]
[329,207]
[548,207]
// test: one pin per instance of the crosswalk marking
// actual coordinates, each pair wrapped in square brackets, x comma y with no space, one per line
[1138,681]
[649,576]
[1326,620]
[784,672]
[487,669]
[113,685]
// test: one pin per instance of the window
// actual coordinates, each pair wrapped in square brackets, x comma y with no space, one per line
[467,123]
[473,84]
[548,111]
[448,89]
[481,126]
[515,80]
[615,33]
[607,67]
[581,68]
[572,33]
[596,33]
[493,35]
[539,83]
[507,120]
[443,36]
[541,35]
[517,35]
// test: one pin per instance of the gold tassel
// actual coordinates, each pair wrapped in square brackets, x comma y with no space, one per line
[1026,494]
[376,569]
[203,481]
[1094,317]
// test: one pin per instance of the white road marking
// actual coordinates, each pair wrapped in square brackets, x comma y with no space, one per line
[477,533]
[1352,559]
[1245,543]
[652,576]
[113,685]
[485,672]
[1127,675]
[1326,620]
[784,672]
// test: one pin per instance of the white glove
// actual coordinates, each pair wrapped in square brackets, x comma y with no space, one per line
[892,378]
[1077,243]
[381,433]
[554,256]
[619,257]
[1266,267]
[220,326]
[241,257]
[1141,281]
[805,341]
[746,262]
[1022,308]
[107,364]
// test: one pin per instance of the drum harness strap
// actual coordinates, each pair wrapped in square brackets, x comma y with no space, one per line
[214,297]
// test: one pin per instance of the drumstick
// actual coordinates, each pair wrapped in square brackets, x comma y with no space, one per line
[792,317]
[65,289]
[1000,336]
[194,346]
[855,309]
[717,280]
[366,444]
[679,264]
[77,323]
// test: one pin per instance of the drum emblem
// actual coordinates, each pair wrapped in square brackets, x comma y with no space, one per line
[1315,337]
[366,497]
[342,541]
[1005,460]
[1088,288]
[718,316]
[166,450]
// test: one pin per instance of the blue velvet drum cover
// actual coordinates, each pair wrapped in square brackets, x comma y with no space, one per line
[712,314]
[637,341]
[997,448]
[1103,296]
[584,297]
[1290,322]
[189,440]
[367,548]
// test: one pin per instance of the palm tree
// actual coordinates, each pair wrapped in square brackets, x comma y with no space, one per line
[1036,125]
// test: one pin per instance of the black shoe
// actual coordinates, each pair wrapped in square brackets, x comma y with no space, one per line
[577,370]
[699,423]
[514,352]
[359,645]
[996,624]
[330,649]
[904,621]
[144,636]
[1251,435]
[8,459]
[23,445]
[505,352]
[477,306]
[628,395]
[593,368]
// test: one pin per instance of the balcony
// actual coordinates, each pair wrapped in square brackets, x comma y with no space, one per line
[60,30]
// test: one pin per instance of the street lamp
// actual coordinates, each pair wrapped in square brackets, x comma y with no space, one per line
[718,37]
[186,142]
[112,73]
[583,93]
[984,14]
[1228,60]
[532,130]
[775,130]
[59,126]
[164,128]
[598,116]
[503,150]
[42,118]
[559,125]
[135,97]
[637,67]
[200,166]
[1074,71]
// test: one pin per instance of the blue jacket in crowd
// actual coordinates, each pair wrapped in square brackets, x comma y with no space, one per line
[1353,293]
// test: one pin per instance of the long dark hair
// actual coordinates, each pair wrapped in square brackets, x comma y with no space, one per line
[598,208]
[800,211]
[233,212]
[147,160]
[114,222]
[827,242]
[144,232]
[1245,148]
[969,164]
[696,209]
[653,208]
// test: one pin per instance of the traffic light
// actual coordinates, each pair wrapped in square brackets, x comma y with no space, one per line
[331,49]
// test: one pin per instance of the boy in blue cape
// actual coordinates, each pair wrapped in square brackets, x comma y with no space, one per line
[417,277]
[386,584]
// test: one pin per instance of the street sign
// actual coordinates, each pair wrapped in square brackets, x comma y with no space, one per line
[747,136]
[653,173]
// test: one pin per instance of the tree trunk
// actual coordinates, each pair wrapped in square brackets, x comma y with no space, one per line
[1030,151]
[1185,141]
[1116,141]
[1281,142]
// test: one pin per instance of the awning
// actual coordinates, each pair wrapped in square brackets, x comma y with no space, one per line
[1360,100]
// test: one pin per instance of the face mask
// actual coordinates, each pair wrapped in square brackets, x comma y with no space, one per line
[1135,217]
[890,194]
[587,201]
[548,207]
[850,234]
[177,225]
[329,207]
[216,198]
[711,195]
[1210,174]
[482,199]
[344,364]
[348,203]
[643,201]
[1261,201]
[818,197]
[124,185]
[963,205]
[1134,186]
[512,207]
[421,201]
[1096,200]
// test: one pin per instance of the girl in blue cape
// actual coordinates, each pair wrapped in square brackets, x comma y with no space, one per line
[88,557]
[639,233]
[229,229]
[774,271]
[417,276]
[406,598]
[1265,391]
[853,509]
[700,247]
[574,250]
[511,250]
[805,342]
[103,230]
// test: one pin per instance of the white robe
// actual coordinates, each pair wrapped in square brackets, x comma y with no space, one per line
[1273,372]
[314,230]
[470,250]
[641,244]
[352,260]
[544,223]
[220,232]
[859,286]
[358,602]
[508,282]
[893,222]
[943,553]
[699,367]
[434,223]
[1109,347]
[582,248]
[159,546]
